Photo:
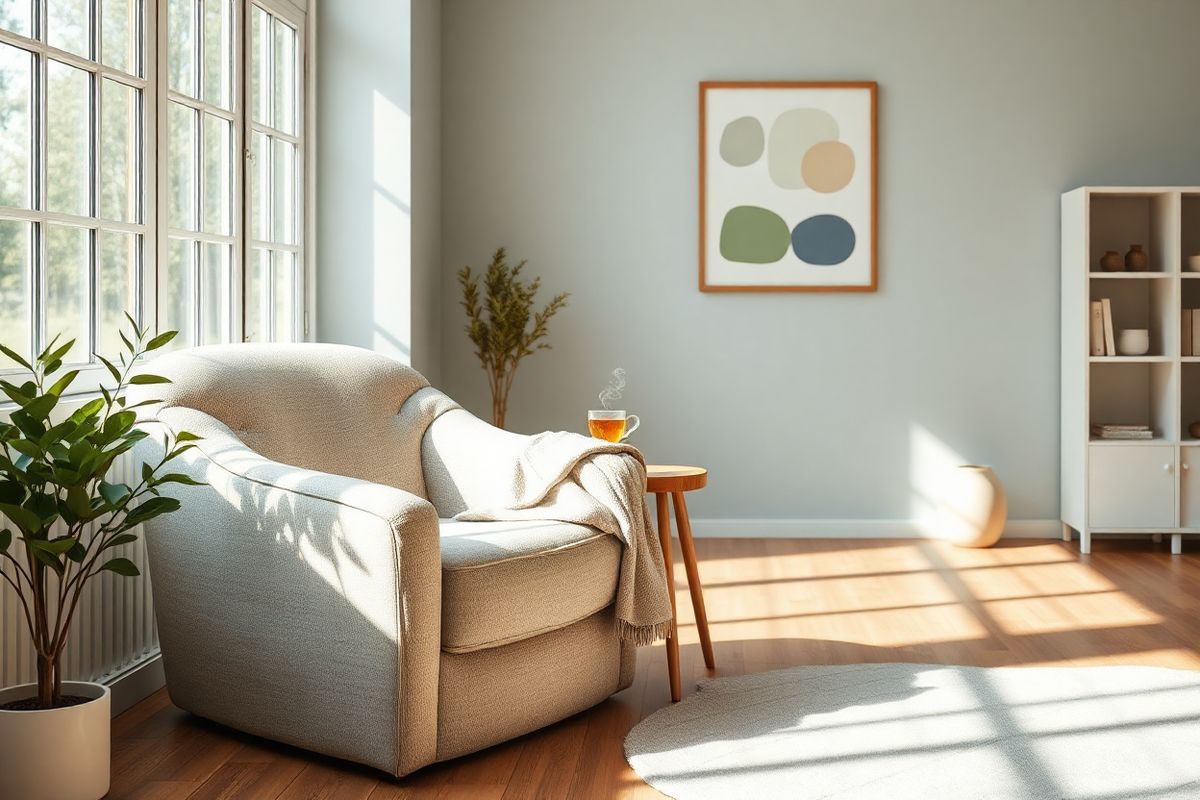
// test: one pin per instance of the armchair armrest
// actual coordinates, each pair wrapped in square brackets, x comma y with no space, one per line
[297,605]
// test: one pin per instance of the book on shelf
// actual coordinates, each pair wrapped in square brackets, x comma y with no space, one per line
[1186,342]
[1110,345]
[1097,328]
[1106,431]
[1195,331]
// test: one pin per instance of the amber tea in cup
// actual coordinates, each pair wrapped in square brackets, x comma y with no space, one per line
[611,426]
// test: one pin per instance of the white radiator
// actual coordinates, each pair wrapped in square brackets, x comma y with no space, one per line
[114,625]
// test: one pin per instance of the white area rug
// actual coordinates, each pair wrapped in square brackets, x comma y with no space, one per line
[928,732]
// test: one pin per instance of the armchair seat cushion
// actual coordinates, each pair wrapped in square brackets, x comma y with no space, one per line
[507,581]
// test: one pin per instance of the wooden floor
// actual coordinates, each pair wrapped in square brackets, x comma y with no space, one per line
[771,603]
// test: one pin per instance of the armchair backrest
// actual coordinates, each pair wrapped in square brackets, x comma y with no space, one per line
[325,407]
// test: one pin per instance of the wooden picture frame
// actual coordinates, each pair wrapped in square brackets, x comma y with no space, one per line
[799,146]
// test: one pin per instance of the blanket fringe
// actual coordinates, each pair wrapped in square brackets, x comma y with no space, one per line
[643,635]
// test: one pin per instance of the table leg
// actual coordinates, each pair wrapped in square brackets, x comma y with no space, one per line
[684,524]
[664,536]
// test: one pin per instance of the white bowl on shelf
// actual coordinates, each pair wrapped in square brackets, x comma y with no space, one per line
[1133,342]
[1193,263]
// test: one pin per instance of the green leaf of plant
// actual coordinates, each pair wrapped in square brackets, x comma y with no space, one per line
[28,425]
[26,447]
[114,493]
[15,357]
[122,566]
[160,340]
[128,344]
[150,509]
[186,436]
[145,379]
[112,370]
[50,560]
[24,519]
[49,357]
[56,546]
[5,540]
[15,393]
[117,541]
[178,477]
[77,553]
[62,383]
[40,407]
[80,502]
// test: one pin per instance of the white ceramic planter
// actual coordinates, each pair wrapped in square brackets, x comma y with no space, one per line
[972,506]
[59,754]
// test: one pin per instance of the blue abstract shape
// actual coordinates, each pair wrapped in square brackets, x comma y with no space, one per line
[823,240]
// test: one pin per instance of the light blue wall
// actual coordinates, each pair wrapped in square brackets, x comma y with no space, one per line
[569,135]
[378,207]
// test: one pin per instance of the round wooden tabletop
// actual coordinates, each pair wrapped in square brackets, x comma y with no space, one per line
[674,478]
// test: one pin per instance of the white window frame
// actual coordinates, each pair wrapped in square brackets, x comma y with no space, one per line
[37,217]
[153,191]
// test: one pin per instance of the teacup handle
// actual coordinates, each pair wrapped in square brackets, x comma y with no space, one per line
[631,425]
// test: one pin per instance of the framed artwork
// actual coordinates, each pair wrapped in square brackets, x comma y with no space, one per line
[788,185]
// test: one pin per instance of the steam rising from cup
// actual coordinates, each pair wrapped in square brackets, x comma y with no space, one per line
[612,392]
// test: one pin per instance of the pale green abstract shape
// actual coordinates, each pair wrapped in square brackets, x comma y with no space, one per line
[753,235]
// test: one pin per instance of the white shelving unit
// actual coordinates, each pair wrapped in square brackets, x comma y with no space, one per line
[1149,487]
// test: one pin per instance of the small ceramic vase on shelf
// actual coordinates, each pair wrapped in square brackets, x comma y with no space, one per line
[1136,259]
[1111,261]
[1193,263]
[1133,342]
[972,506]
[1194,430]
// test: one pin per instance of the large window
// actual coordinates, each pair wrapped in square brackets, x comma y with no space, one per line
[151,157]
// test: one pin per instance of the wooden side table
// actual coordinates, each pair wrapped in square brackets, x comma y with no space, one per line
[675,480]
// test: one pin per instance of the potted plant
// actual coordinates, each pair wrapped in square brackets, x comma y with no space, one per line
[63,521]
[499,327]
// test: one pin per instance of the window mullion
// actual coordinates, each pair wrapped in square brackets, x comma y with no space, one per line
[38,229]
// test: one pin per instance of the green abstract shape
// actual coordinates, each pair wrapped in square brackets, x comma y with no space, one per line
[753,235]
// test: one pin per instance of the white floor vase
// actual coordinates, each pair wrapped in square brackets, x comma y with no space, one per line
[58,754]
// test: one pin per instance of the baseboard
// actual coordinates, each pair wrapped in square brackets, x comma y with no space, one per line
[854,528]
[134,684]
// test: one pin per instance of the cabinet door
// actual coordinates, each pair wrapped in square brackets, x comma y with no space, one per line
[1189,487]
[1131,486]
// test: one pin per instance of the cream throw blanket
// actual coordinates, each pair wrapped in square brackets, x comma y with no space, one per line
[572,478]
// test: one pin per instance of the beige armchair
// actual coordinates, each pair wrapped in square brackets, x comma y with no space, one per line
[317,592]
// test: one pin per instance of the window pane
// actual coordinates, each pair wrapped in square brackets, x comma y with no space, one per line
[181,52]
[214,294]
[67,267]
[177,292]
[260,57]
[284,281]
[218,169]
[283,191]
[68,161]
[181,178]
[260,187]
[258,276]
[118,287]
[14,288]
[68,25]
[15,16]
[218,52]
[120,34]
[284,77]
[119,152]
[16,135]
